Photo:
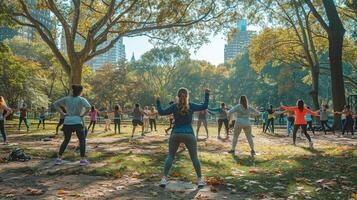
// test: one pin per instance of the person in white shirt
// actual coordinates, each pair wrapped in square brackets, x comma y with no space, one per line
[243,112]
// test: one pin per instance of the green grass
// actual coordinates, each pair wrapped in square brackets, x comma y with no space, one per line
[279,170]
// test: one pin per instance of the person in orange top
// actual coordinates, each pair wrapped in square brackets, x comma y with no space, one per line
[300,111]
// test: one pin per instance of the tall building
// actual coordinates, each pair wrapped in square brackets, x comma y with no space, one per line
[238,41]
[113,56]
[44,16]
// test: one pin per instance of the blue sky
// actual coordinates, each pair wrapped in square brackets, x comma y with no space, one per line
[212,52]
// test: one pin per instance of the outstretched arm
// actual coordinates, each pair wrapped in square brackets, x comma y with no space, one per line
[312,112]
[198,107]
[254,111]
[288,108]
[163,111]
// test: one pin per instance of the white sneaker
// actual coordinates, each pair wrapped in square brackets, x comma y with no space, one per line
[163,182]
[201,182]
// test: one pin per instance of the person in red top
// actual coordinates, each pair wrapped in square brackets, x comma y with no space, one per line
[300,111]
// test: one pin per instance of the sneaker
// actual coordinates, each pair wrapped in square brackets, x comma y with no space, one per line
[252,153]
[83,162]
[163,182]
[201,182]
[58,161]
[311,145]
[231,151]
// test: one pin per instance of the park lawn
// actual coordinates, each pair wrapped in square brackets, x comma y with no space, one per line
[278,170]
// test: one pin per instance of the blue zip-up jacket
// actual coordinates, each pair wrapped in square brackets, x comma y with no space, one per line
[183,123]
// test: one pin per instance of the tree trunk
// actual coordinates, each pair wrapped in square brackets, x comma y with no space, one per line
[337,83]
[335,33]
[315,87]
[76,74]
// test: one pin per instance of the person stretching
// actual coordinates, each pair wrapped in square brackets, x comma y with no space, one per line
[243,112]
[271,118]
[348,123]
[42,118]
[324,118]
[222,119]
[77,107]
[3,107]
[93,114]
[182,131]
[300,111]
[152,118]
[202,119]
[137,119]
[23,117]
[117,118]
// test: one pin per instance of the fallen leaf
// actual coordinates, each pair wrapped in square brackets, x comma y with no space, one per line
[61,192]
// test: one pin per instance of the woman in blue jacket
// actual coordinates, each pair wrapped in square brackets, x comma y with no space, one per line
[182,131]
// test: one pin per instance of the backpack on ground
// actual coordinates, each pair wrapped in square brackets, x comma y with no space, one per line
[18,155]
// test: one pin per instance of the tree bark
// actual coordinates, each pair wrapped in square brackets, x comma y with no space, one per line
[335,36]
[337,83]
[315,87]
[76,73]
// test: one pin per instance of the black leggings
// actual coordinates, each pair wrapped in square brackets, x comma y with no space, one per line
[270,122]
[152,123]
[2,130]
[41,121]
[117,125]
[303,127]
[323,124]
[92,124]
[220,123]
[23,119]
[347,125]
[67,130]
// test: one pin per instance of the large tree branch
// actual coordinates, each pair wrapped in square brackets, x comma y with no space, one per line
[317,16]
[48,39]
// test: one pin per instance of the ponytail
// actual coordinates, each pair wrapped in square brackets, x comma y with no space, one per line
[182,104]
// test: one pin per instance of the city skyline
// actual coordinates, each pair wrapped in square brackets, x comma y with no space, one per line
[212,51]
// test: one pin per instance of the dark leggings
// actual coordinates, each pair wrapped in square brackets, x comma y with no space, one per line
[347,125]
[2,130]
[152,124]
[67,130]
[270,122]
[117,125]
[191,144]
[41,120]
[23,119]
[92,124]
[303,127]
[309,123]
[220,123]
[323,124]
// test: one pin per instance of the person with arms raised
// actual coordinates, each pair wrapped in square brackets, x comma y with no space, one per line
[182,131]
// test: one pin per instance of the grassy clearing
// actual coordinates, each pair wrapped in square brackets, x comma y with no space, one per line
[279,169]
